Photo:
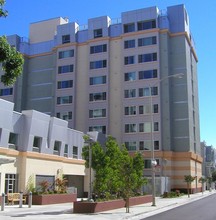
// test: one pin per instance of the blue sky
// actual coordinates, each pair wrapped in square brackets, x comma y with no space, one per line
[202,22]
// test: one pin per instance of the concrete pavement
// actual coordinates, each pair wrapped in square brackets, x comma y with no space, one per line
[65,211]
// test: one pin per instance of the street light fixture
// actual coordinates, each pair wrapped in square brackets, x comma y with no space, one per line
[153,161]
[90,141]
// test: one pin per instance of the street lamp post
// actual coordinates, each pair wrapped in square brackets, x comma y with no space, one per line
[153,161]
[90,141]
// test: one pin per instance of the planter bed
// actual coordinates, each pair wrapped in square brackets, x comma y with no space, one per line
[53,199]
[92,207]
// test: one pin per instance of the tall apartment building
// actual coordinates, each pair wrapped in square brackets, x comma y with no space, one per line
[116,77]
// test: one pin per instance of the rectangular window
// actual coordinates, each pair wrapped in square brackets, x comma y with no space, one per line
[99,96]
[148,74]
[145,127]
[155,108]
[131,145]
[146,41]
[11,183]
[149,57]
[98,64]
[57,148]
[66,150]
[65,69]
[13,141]
[64,100]
[144,109]
[65,84]
[64,115]
[130,128]
[146,91]
[97,113]
[75,152]
[98,49]
[145,145]
[37,144]
[66,54]
[7,91]
[98,33]
[156,126]
[131,76]
[130,93]
[129,60]
[129,28]
[65,39]
[97,80]
[148,164]
[131,110]
[129,44]
[145,25]
[98,128]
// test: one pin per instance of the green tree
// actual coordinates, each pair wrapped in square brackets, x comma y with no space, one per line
[214,176]
[3,13]
[11,60]
[202,180]
[189,179]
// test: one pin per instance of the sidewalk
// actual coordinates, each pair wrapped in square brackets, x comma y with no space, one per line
[64,211]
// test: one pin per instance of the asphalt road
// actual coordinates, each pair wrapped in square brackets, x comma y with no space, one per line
[203,209]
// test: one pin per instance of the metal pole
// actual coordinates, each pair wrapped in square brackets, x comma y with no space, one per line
[90,174]
[3,202]
[152,151]
[21,200]
[30,200]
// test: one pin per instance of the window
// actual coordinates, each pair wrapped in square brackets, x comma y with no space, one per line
[64,115]
[66,54]
[130,93]
[129,28]
[98,33]
[98,64]
[131,76]
[155,108]
[148,74]
[148,164]
[146,145]
[65,69]
[7,91]
[144,109]
[65,84]
[99,96]
[129,44]
[65,39]
[97,113]
[98,49]
[129,60]
[156,126]
[149,57]
[13,141]
[146,91]
[66,150]
[11,183]
[97,80]
[64,100]
[37,144]
[131,146]
[131,110]
[147,41]
[98,128]
[145,25]
[130,128]
[57,148]
[75,152]
[145,127]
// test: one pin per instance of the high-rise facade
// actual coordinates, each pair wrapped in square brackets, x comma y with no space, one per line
[117,77]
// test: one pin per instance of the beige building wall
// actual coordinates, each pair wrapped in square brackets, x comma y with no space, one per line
[45,30]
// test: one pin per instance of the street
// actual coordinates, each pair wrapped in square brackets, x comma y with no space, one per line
[203,209]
